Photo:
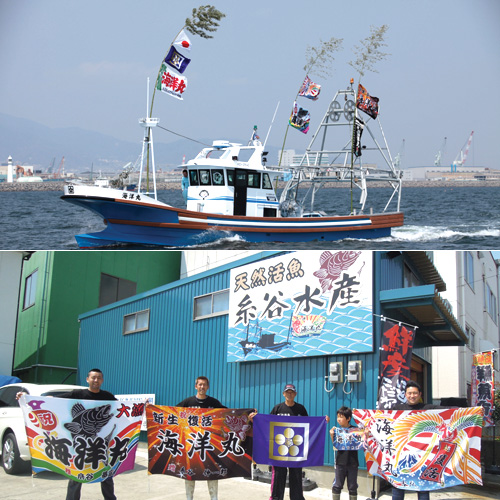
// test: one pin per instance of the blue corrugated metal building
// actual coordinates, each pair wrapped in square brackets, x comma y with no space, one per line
[168,348]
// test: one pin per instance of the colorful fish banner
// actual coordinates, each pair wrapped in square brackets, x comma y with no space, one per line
[423,450]
[348,438]
[299,118]
[199,444]
[87,441]
[483,385]
[288,441]
[309,89]
[310,303]
[395,363]
[171,82]
[367,103]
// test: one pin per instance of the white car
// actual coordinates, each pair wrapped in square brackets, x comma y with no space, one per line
[15,451]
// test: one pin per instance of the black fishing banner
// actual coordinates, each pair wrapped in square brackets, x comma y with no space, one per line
[395,362]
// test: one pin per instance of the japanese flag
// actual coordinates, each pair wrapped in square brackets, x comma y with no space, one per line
[182,41]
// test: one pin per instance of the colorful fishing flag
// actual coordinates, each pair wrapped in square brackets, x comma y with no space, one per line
[171,82]
[309,89]
[177,60]
[483,385]
[348,438]
[423,450]
[395,363]
[87,441]
[182,41]
[299,118]
[359,125]
[365,102]
[198,443]
[286,441]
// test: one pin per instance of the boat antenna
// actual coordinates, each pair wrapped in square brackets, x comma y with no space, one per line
[272,121]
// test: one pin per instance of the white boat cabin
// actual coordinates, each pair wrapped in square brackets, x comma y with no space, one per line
[231,179]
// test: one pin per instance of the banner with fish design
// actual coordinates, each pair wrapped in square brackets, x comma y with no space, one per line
[348,438]
[198,443]
[483,385]
[87,441]
[310,89]
[309,303]
[423,450]
[367,103]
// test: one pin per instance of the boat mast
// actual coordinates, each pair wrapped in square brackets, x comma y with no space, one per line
[148,123]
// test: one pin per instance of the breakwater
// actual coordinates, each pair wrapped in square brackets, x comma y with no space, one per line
[163,186]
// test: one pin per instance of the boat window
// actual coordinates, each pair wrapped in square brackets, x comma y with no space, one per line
[254,179]
[245,154]
[266,182]
[218,177]
[205,178]
[193,178]
[215,154]
[230,177]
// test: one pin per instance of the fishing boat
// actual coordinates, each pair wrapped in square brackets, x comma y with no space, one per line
[233,192]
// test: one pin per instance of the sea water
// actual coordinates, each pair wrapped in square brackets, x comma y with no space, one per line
[438,218]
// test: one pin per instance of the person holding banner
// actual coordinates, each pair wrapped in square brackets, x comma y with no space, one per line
[346,461]
[201,400]
[413,393]
[95,380]
[278,480]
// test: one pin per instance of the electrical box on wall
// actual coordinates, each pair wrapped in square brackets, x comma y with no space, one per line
[353,371]
[335,372]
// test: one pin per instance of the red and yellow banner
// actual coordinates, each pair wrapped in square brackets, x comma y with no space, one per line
[423,450]
[483,385]
[198,443]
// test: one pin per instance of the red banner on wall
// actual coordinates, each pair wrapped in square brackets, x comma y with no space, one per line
[395,363]
[199,444]
[483,385]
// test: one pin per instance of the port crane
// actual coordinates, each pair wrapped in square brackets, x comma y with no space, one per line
[462,155]
[440,153]
[57,174]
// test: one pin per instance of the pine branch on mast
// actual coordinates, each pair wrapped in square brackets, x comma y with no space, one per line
[204,20]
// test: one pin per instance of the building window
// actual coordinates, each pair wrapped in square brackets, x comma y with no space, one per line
[213,304]
[409,278]
[30,290]
[114,289]
[491,303]
[469,269]
[136,322]
[472,337]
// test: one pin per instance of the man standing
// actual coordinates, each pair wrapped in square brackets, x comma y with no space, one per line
[278,481]
[201,400]
[94,379]
[94,393]
[413,393]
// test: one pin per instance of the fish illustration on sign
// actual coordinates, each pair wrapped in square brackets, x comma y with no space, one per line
[89,422]
[332,265]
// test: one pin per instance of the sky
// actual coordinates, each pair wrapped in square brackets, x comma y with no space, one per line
[73,63]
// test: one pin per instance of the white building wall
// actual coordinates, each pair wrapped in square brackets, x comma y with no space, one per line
[10,273]
[451,366]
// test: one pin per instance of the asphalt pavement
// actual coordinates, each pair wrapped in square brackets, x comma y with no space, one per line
[138,484]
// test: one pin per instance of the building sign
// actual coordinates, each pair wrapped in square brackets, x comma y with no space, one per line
[311,303]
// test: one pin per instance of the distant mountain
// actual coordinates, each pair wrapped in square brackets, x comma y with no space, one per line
[30,143]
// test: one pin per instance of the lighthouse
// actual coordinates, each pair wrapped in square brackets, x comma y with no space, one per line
[10,170]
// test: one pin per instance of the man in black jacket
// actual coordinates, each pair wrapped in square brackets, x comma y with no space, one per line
[93,393]
[201,400]
[278,481]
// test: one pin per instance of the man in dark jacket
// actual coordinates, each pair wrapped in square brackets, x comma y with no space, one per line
[278,481]
[201,400]
[413,393]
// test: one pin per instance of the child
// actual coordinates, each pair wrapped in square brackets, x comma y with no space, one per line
[346,463]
